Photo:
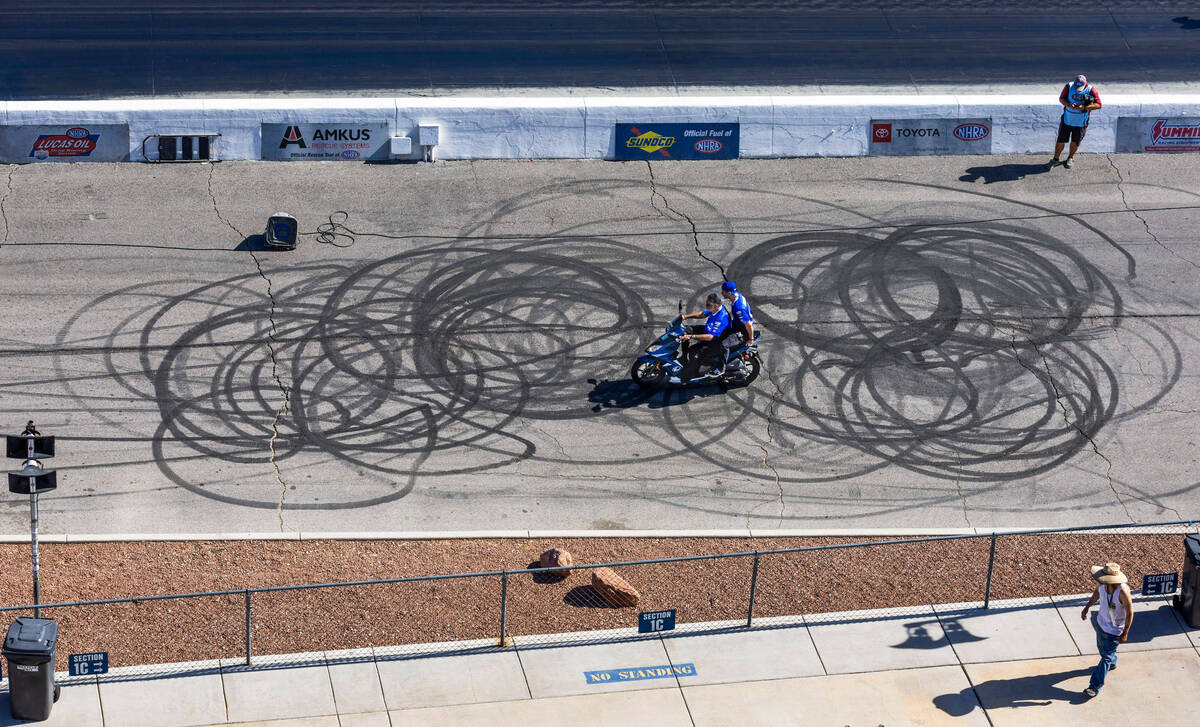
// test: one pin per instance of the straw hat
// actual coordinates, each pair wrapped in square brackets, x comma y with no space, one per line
[1109,574]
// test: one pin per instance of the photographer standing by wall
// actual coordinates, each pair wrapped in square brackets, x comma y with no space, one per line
[1079,99]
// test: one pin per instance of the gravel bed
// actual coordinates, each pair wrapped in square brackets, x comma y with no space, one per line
[814,582]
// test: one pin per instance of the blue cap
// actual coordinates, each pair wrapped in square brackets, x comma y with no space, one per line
[729,287]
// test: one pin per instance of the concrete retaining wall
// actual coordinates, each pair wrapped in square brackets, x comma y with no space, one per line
[582,128]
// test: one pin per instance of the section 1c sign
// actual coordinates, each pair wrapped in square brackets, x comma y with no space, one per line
[902,137]
[95,662]
[676,141]
[1160,584]
[650,622]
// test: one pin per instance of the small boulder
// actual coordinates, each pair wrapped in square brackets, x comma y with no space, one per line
[614,589]
[556,558]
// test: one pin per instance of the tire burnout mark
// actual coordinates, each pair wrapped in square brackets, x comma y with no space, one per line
[436,350]
[956,352]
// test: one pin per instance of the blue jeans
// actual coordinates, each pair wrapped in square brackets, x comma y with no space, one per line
[1107,644]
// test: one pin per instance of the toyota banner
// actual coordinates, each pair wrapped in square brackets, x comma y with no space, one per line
[897,137]
[68,143]
[1158,134]
[336,142]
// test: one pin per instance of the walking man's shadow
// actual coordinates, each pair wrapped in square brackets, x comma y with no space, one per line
[1003,172]
[1038,690]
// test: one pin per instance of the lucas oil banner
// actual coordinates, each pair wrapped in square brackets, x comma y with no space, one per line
[336,142]
[72,143]
[1158,134]
[895,137]
[676,141]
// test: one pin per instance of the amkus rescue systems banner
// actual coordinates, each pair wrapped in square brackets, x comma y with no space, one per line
[341,142]
[76,143]
[892,137]
[677,141]
[1158,134]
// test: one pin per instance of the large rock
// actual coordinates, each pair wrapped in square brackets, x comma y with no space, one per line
[556,558]
[614,589]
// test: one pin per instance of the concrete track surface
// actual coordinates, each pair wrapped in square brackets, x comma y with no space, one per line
[949,342]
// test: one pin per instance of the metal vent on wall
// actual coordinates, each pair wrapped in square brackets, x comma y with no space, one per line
[183,147]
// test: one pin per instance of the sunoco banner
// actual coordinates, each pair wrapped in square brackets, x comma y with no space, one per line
[930,136]
[340,142]
[1158,134]
[73,143]
[677,141]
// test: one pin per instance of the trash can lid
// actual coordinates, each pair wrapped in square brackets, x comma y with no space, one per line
[31,636]
[1192,543]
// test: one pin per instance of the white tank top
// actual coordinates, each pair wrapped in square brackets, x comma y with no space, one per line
[1112,612]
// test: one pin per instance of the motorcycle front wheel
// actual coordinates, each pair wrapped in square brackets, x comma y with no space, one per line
[647,374]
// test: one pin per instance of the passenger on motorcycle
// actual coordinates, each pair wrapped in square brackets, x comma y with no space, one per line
[711,352]
[741,329]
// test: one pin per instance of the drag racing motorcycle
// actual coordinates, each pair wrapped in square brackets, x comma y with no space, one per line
[662,363]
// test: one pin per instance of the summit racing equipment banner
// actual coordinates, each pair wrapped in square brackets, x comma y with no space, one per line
[1158,134]
[339,142]
[76,143]
[895,137]
[677,141]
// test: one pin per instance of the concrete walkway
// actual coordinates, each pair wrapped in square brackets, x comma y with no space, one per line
[1015,664]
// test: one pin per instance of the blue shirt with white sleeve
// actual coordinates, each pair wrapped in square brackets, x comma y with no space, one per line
[741,312]
[717,322]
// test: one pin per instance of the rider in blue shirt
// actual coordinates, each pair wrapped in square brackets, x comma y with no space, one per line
[743,319]
[711,352]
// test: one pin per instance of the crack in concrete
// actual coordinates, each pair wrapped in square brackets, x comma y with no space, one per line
[1132,357]
[775,398]
[676,214]
[475,176]
[958,486]
[284,389]
[557,443]
[1058,398]
[1145,223]
[12,168]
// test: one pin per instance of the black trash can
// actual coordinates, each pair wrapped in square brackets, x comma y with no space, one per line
[29,649]
[1188,600]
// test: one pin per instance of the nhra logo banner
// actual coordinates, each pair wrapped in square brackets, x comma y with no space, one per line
[898,137]
[1158,134]
[342,142]
[676,141]
[79,143]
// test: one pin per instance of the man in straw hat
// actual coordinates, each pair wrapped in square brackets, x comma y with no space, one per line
[1112,620]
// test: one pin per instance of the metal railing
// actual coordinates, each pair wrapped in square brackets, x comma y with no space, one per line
[489,609]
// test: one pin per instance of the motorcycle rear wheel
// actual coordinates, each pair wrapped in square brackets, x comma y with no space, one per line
[746,374]
[647,374]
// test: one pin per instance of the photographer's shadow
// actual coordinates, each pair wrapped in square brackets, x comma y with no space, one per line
[1003,172]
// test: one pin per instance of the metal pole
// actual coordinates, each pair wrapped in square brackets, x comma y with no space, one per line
[987,594]
[503,607]
[33,519]
[753,587]
[247,592]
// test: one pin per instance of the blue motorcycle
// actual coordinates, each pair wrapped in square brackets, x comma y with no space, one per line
[662,364]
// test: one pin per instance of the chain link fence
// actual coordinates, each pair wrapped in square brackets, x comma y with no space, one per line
[828,582]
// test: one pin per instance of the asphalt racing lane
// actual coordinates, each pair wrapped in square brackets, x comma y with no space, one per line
[69,50]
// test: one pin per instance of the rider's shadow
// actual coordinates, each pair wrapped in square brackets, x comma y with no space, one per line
[624,394]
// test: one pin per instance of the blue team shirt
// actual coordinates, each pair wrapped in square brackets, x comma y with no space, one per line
[717,322]
[741,312]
